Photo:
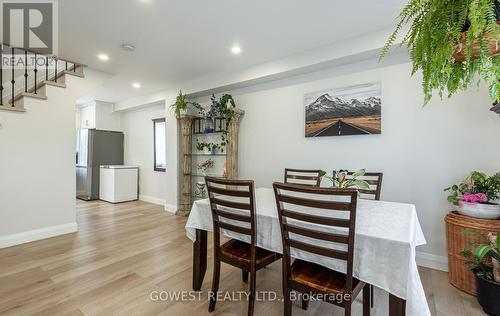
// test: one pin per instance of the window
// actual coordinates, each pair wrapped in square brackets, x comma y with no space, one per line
[160,153]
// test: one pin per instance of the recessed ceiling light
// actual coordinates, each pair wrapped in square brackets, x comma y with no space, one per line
[236,50]
[136,85]
[103,57]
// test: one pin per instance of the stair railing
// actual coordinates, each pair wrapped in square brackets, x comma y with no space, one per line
[19,67]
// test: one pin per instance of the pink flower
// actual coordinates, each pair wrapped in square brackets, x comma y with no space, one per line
[481,197]
[470,198]
[474,198]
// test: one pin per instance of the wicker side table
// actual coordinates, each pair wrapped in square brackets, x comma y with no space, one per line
[458,272]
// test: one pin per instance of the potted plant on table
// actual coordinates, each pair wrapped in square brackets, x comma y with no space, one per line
[483,258]
[341,180]
[474,196]
[453,43]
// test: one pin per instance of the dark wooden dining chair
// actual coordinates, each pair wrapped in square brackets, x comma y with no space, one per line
[303,177]
[374,179]
[297,212]
[233,209]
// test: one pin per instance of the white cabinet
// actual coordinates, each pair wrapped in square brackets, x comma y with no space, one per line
[87,116]
[118,183]
[99,115]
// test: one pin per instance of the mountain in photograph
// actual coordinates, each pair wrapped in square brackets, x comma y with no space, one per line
[328,107]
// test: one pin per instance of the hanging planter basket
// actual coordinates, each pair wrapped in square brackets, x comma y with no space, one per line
[452,44]
[493,47]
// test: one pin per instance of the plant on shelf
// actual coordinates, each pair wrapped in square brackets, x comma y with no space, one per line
[222,108]
[211,147]
[340,179]
[474,195]
[181,104]
[205,166]
[483,258]
[453,43]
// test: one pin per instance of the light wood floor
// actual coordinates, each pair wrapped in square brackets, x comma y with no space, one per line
[124,252]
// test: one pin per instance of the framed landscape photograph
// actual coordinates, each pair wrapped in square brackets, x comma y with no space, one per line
[351,110]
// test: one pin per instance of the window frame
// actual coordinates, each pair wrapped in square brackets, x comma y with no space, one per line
[155,167]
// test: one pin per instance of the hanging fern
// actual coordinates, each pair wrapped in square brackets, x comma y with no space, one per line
[435,33]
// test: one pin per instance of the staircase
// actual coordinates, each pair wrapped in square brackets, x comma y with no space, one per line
[25,74]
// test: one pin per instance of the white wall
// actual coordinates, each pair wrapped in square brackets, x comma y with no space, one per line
[37,164]
[138,128]
[420,151]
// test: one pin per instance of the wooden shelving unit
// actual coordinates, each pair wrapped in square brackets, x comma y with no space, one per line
[226,163]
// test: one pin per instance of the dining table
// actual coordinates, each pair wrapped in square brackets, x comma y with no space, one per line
[386,237]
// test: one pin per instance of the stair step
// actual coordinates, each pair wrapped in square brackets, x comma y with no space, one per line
[29,95]
[12,109]
[72,73]
[52,83]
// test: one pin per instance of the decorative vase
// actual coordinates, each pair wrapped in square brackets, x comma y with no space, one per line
[488,293]
[201,189]
[479,210]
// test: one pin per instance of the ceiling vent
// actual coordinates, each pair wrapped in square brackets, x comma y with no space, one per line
[128,47]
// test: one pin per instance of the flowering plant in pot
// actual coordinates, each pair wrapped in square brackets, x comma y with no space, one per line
[483,258]
[474,196]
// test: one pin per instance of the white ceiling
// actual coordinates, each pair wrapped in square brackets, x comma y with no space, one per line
[178,41]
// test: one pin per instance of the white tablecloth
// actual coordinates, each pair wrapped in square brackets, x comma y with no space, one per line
[386,236]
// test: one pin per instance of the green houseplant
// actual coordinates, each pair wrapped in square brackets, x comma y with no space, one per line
[474,195]
[441,29]
[483,258]
[180,104]
[340,179]
[222,108]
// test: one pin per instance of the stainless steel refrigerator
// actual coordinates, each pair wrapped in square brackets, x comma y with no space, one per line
[93,149]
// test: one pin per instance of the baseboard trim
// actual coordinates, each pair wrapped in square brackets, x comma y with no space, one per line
[151,199]
[171,208]
[37,234]
[431,261]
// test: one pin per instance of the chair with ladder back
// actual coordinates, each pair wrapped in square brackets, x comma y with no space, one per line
[303,177]
[233,209]
[301,211]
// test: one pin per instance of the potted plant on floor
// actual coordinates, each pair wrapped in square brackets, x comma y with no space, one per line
[474,196]
[453,43]
[483,258]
